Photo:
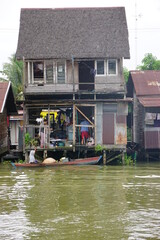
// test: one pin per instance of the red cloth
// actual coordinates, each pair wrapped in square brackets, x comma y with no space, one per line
[84,135]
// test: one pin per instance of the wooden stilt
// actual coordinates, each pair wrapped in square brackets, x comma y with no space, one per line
[123,156]
[44,154]
[85,153]
[147,157]
[26,157]
[104,157]
[65,153]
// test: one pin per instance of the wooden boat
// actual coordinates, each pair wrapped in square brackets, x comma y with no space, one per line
[81,161]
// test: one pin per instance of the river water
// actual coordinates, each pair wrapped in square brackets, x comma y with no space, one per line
[80,202]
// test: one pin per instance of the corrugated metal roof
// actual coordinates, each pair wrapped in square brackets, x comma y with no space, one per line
[146,83]
[77,32]
[7,98]
[4,88]
[149,102]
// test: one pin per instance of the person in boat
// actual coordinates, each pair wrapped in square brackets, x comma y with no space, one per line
[32,156]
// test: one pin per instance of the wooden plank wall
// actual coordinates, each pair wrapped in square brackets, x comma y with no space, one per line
[3,132]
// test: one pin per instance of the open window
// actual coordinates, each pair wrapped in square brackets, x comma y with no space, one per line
[86,75]
[48,72]
[38,70]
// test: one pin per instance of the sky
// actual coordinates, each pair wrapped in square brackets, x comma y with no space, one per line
[143,20]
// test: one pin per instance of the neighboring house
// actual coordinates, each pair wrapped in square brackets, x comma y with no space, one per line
[73,61]
[16,130]
[7,108]
[144,87]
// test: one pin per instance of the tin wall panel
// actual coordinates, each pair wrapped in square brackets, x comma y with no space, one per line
[121,119]
[121,134]
[110,108]
[108,128]
[152,139]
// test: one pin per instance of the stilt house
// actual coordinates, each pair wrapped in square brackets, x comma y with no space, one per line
[73,71]
[144,87]
[7,108]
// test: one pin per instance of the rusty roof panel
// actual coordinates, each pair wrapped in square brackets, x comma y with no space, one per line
[149,102]
[3,93]
[146,83]
[7,98]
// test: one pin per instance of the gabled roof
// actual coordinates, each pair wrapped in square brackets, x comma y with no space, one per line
[73,32]
[146,82]
[147,87]
[7,98]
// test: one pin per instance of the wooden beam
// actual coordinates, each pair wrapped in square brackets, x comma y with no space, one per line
[84,115]
[111,159]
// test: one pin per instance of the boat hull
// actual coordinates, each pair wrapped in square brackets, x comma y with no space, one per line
[82,161]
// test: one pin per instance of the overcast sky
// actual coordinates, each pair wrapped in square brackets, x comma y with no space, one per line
[143,19]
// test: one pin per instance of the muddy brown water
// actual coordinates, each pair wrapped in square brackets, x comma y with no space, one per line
[80,202]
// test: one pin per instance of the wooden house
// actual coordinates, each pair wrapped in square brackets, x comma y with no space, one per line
[144,87]
[7,108]
[73,71]
[16,130]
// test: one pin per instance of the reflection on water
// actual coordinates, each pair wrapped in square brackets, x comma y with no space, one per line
[91,202]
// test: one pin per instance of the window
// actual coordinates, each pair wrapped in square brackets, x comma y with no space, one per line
[100,67]
[60,72]
[49,72]
[108,67]
[112,67]
[38,68]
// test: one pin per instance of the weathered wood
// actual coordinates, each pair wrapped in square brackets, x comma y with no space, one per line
[74,129]
[73,74]
[83,115]
[123,157]
[113,158]
[104,157]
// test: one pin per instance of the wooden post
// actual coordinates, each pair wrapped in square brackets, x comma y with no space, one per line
[104,157]
[65,153]
[73,77]
[48,137]
[26,157]
[85,153]
[123,154]
[147,157]
[74,128]
[44,154]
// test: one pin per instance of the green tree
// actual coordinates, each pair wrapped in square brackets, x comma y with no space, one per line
[149,62]
[13,71]
[126,74]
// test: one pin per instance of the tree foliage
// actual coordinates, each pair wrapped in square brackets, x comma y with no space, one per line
[149,62]
[13,71]
[126,74]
